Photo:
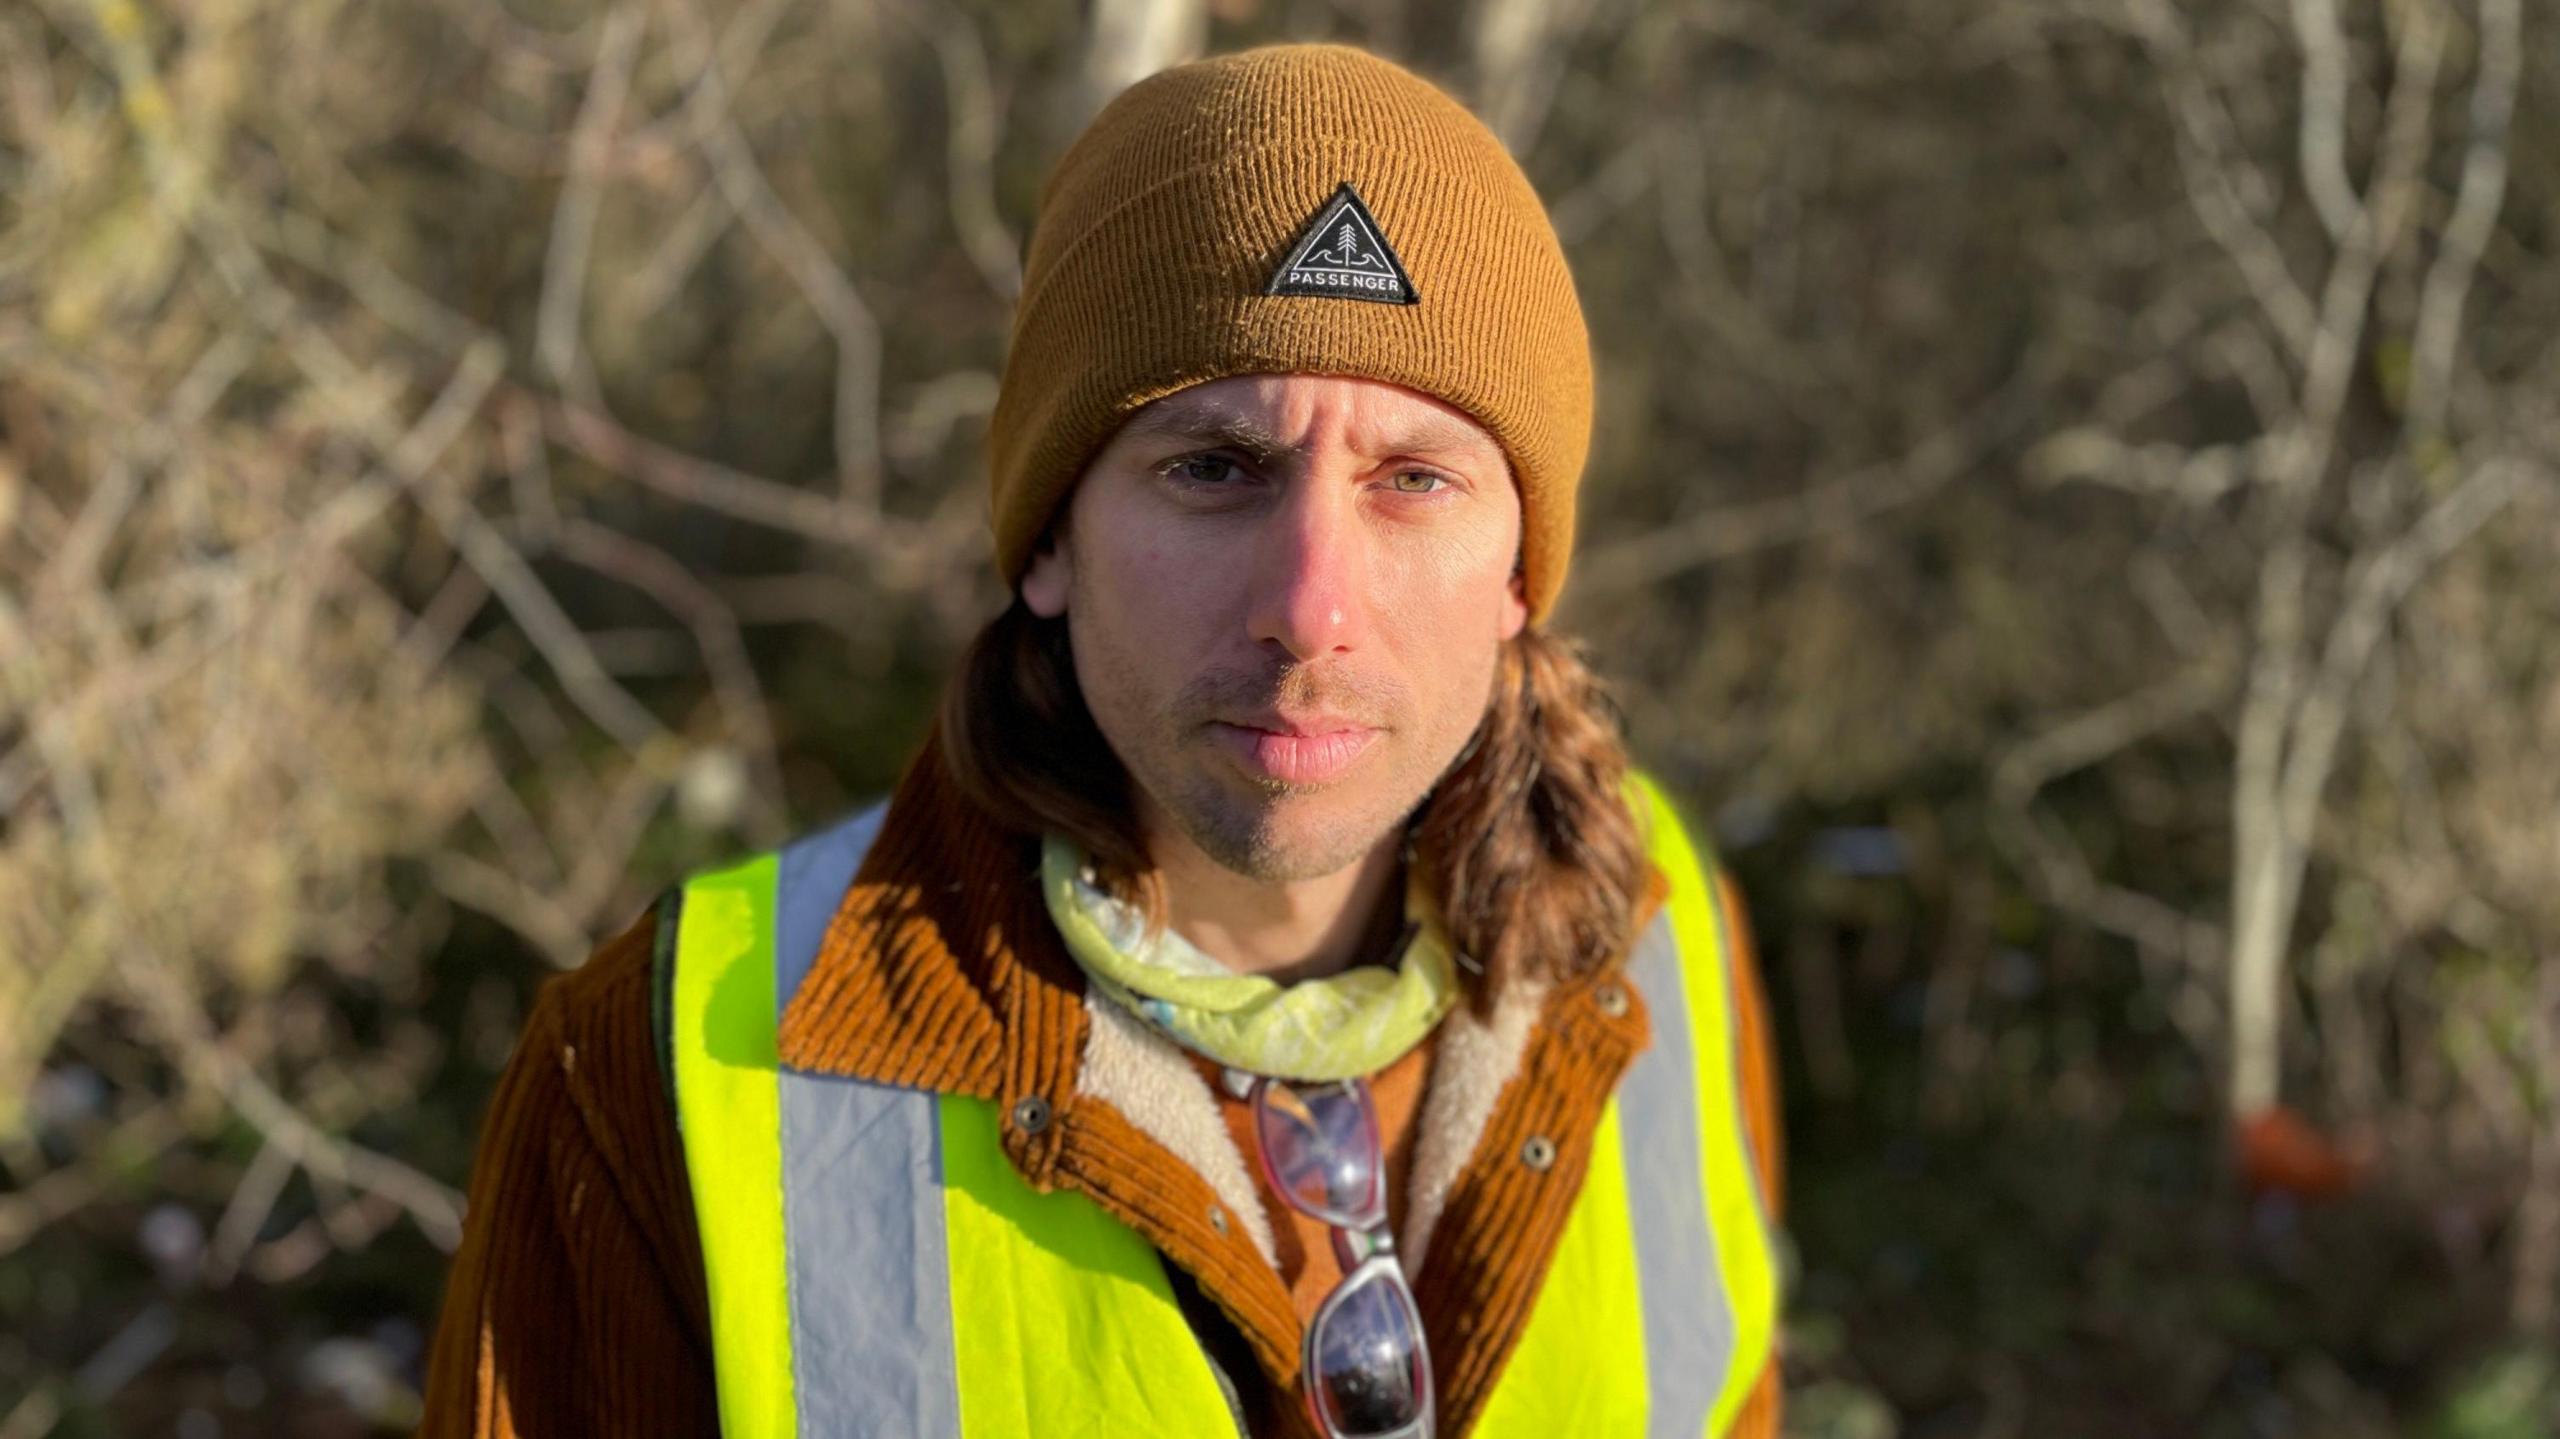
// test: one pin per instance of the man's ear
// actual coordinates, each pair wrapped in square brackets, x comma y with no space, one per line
[1045,581]
[1515,605]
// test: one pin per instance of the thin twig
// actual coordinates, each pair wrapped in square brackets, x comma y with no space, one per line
[2500,57]
[1826,507]
[573,221]
[829,291]
[436,1207]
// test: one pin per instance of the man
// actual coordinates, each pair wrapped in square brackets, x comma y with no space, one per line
[1268,1004]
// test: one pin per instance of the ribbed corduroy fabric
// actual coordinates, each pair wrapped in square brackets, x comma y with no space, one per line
[1159,232]
[576,1306]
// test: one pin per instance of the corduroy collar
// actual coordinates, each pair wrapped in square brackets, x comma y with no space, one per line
[940,969]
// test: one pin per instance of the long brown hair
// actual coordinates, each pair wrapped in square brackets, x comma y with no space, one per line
[1528,843]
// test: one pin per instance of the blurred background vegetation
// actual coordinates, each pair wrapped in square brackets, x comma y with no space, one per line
[2073,509]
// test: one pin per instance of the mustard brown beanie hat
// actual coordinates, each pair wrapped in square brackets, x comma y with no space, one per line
[1292,209]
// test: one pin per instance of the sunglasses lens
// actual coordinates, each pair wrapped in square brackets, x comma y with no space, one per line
[1368,1360]
[1322,1145]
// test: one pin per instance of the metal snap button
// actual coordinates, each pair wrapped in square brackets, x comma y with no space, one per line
[1612,999]
[1031,1115]
[1539,1153]
[1218,1218]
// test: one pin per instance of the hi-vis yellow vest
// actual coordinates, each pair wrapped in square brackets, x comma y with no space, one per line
[876,1266]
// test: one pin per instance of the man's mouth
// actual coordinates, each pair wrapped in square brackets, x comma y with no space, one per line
[1294,749]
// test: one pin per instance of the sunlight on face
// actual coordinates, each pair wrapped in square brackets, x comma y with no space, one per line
[1286,596]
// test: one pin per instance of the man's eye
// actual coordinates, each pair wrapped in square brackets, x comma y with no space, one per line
[1419,482]
[1203,469]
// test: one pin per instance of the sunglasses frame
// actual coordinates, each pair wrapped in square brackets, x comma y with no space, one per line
[1365,1249]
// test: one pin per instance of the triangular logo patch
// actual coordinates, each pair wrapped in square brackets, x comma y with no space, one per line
[1343,255]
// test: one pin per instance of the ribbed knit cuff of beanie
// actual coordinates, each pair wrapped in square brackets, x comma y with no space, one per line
[1307,209]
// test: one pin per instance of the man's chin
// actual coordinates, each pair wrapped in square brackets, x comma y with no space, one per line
[1286,835]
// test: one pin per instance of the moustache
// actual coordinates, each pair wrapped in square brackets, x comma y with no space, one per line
[1237,696]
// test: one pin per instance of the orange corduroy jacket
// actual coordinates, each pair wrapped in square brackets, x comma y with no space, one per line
[576,1303]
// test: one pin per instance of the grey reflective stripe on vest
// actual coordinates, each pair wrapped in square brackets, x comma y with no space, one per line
[871,1336]
[1685,1360]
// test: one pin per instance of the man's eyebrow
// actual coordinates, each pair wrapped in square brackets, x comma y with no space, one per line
[1435,433]
[1441,433]
[1209,427]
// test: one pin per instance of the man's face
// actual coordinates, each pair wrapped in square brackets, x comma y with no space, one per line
[1286,595]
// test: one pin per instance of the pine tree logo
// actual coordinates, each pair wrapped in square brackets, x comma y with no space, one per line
[1342,254]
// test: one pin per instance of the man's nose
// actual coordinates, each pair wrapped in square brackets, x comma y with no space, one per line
[1308,564]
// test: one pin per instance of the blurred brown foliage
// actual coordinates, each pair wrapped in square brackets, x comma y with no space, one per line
[2074,504]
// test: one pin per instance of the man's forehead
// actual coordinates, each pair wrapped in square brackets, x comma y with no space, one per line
[1391,420]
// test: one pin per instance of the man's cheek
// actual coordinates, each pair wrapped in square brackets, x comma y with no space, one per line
[1169,587]
[1444,574]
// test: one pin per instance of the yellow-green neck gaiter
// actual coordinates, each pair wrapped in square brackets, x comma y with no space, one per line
[1343,1026]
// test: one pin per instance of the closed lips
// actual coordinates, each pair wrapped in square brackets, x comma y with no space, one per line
[1295,752]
